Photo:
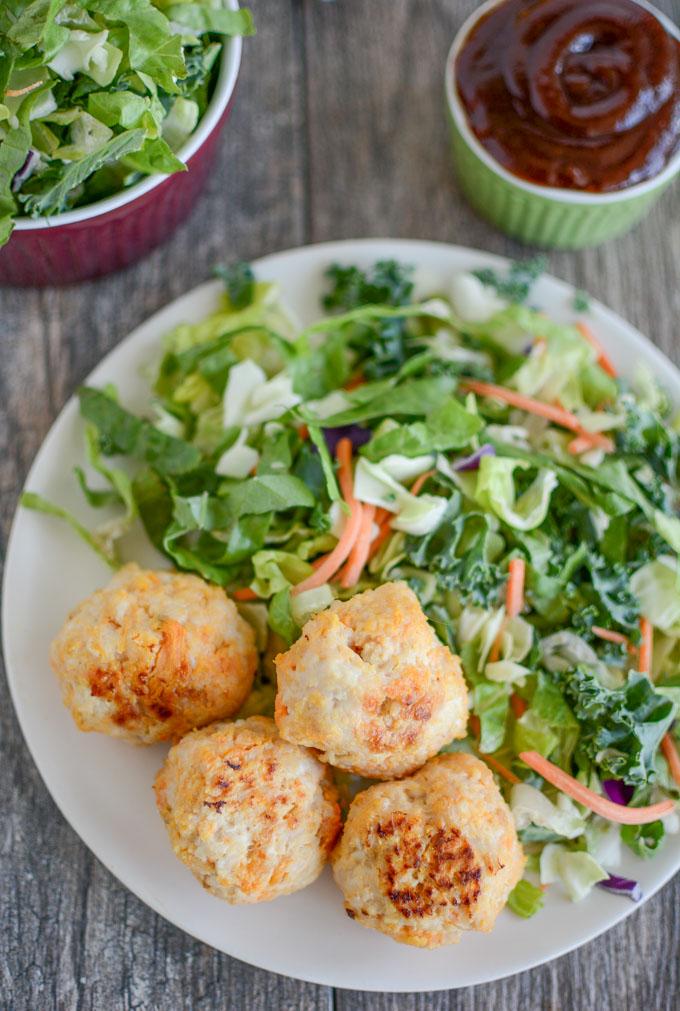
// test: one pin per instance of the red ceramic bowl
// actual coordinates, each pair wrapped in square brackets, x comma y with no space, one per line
[113,233]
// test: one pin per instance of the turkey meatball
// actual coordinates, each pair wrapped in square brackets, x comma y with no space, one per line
[154,655]
[369,685]
[427,857]
[252,816]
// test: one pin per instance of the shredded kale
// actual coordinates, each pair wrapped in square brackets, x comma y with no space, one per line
[581,301]
[517,283]
[239,280]
[621,728]
[381,344]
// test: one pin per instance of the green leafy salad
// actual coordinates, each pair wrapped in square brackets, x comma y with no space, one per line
[96,94]
[526,493]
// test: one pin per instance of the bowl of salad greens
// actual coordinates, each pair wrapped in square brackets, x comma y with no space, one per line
[517,448]
[110,114]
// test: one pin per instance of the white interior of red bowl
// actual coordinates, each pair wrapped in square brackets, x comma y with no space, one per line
[224,88]
[551,192]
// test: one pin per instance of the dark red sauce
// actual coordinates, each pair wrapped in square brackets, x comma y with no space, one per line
[582,94]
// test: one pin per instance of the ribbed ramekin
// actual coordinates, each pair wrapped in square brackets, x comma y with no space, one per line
[115,232]
[542,215]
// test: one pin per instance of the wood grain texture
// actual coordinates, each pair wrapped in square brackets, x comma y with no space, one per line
[338,131]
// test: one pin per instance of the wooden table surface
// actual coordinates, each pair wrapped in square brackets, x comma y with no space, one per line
[338,131]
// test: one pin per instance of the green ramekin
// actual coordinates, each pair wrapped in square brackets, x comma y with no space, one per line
[543,215]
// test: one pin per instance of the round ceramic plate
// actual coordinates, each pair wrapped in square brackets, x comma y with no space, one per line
[103,787]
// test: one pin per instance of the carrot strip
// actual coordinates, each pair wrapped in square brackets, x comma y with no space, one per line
[332,562]
[514,602]
[518,705]
[417,485]
[498,767]
[303,432]
[559,415]
[671,755]
[343,452]
[593,440]
[15,92]
[609,636]
[382,535]
[383,518]
[245,593]
[553,412]
[329,565]
[495,651]
[357,380]
[514,592]
[475,725]
[358,556]
[603,359]
[582,795]
[645,652]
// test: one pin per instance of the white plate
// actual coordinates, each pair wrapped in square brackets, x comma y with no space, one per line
[103,787]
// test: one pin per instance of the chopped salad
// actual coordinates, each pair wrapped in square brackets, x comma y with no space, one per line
[96,94]
[487,455]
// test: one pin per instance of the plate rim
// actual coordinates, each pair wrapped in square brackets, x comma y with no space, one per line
[335,249]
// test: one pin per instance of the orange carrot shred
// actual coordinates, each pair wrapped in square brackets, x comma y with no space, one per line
[343,452]
[380,538]
[514,602]
[559,415]
[603,359]
[670,752]
[332,561]
[514,594]
[384,518]
[610,636]
[245,593]
[592,440]
[553,412]
[588,798]
[495,651]
[645,651]
[15,92]
[475,725]
[518,705]
[303,432]
[358,556]
[357,380]
[417,485]
[501,769]
[329,565]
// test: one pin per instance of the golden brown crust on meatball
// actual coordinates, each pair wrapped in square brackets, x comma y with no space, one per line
[369,685]
[252,816]
[425,858]
[154,655]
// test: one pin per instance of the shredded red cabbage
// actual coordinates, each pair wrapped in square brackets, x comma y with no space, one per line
[27,169]
[622,886]
[355,433]
[472,462]
[618,791]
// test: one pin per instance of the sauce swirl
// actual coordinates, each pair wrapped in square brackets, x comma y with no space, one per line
[579,94]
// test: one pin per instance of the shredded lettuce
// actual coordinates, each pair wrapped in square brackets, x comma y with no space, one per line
[232,470]
[496,491]
[122,85]
[575,870]
[526,899]
[531,807]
